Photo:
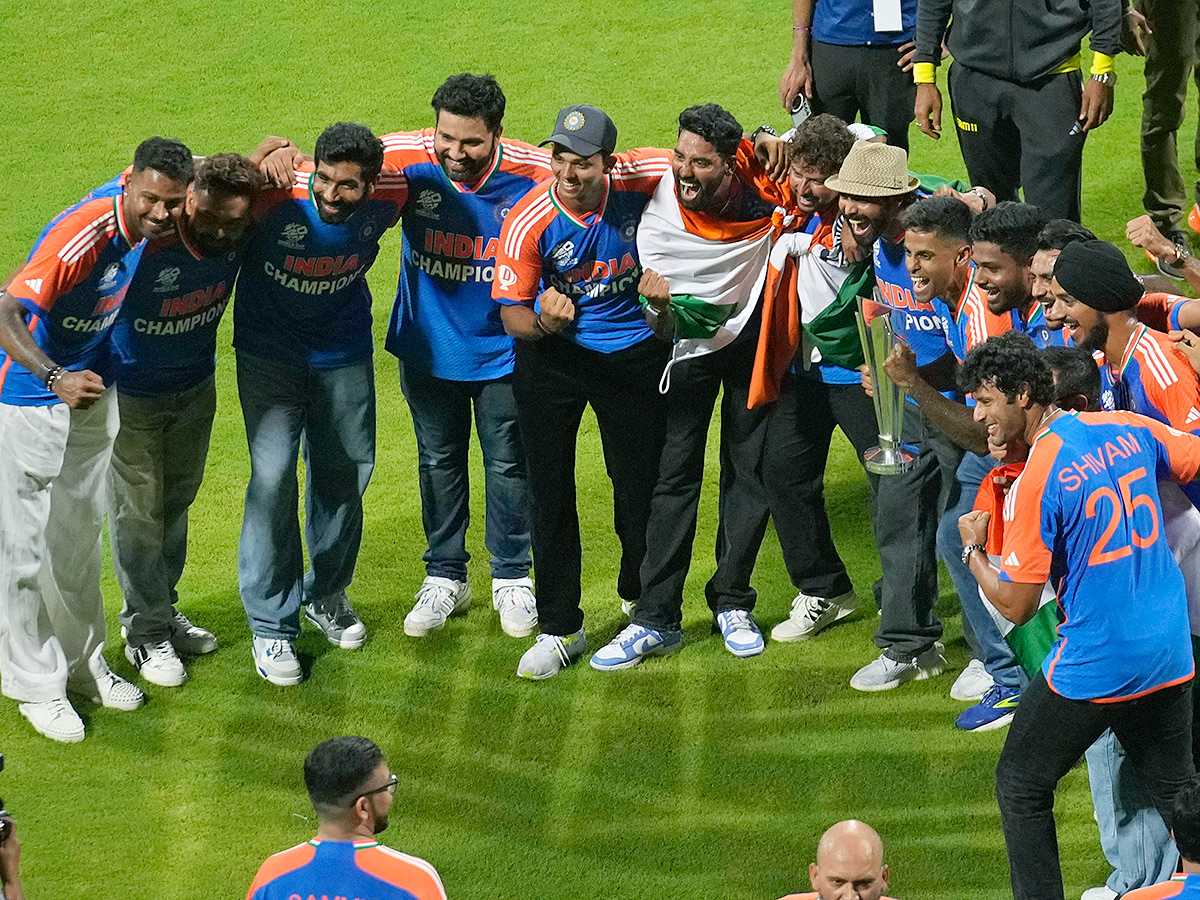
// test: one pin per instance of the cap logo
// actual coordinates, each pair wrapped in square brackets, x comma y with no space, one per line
[574,121]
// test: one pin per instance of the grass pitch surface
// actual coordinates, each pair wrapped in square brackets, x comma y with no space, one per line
[696,775]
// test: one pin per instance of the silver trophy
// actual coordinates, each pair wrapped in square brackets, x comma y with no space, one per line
[892,456]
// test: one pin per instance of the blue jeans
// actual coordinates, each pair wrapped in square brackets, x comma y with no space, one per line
[333,410]
[441,414]
[1135,839]
[997,656]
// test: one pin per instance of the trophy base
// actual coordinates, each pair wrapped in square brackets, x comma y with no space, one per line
[890,460]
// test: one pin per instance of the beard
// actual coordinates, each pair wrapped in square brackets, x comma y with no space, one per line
[1097,336]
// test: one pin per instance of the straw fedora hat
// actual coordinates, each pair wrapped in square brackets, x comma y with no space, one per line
[873,170]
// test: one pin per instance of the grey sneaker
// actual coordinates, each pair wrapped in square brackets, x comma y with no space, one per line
[811,614]
[972,683]
[275,659]
[190,639]
[437,600]
[885,673]
[513,599]
[550,654]
[336,617]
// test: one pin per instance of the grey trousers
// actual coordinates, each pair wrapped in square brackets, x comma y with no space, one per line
[156,470]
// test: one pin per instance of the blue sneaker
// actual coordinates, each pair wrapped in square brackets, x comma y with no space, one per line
[742,637]
[632,645]
[994,711]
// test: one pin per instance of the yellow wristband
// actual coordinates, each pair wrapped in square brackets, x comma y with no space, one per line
[1102,64]
[923,73]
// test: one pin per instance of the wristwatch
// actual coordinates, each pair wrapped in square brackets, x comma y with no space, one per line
[968,550]
[1182,255]
[762,129]
[1108,79]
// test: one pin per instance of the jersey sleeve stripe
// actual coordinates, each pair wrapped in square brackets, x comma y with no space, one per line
[1157,360]
[526,220]
[99,229]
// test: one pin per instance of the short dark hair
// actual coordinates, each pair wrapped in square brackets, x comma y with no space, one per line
[352,143]
[336,770]
[822,142]
[231,175]
[1060,232]
[1012,226]
[715,124]
[947,217]
[1075,374]
[1010,362]
[1185,820]
[166,155]
[473,97]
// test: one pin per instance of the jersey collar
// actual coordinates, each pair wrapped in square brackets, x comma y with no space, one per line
[477,186]
[119,211]
[183,239]
[1130,347]
[595,215]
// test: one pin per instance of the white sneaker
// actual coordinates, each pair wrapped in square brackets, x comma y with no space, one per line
[550,653]
[740,631]
[885,673]
[972,683]
[811,614]
[190,639]
[55,719]
[513,599]
[157,663]
[336,617]
[437,600]
[109,690]
[1104,892]
[275,659]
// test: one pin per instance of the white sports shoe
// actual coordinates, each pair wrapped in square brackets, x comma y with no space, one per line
[972,683]
[55,719]
[157,663]
[550,654]
[275,659]
[109,690]
[1103,892]
[811,614]
[513,599]
[437,600]
[885,673]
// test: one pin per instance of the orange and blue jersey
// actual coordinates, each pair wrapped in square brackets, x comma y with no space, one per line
[1085,515]
[165,339]
[346,869]
[593,259]
[1185,886]
[444,320]
[1161,311]
[72,285]
[302,295]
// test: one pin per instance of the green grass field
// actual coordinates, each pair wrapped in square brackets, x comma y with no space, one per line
[698,775]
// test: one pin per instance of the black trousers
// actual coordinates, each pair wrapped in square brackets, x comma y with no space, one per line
[554,381]
[1019,135]
[1048,736]
[799,429]
[849,80]
[742,504]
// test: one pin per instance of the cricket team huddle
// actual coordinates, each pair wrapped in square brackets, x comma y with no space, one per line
[1051,397]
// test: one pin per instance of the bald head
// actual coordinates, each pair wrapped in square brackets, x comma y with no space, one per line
[849,863]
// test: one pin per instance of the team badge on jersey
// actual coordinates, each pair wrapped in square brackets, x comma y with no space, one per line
[109,281]
[428,202]
[167,281]
[564,254]
[293,236]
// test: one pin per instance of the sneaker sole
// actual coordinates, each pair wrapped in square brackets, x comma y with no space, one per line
[808,635]
[514,632]
[276,679]
[531,677]
[343,642]
[965,698]
[994,725]
[174,681]
[420,631]
[745,654]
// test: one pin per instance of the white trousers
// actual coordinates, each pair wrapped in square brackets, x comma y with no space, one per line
[53,462]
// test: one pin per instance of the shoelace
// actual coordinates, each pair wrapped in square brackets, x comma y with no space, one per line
[436,596]
[737,618]
[630,633]
[516,596]
[280,649]
[160,648]
[557,645]
[811,606]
